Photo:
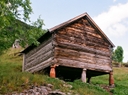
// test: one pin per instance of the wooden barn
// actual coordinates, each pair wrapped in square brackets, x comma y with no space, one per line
[77,48]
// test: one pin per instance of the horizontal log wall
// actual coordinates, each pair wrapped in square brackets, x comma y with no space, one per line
[81,48]
[30,53]
[79,64]
[40,66]
[80,45]
[80,59]
[40,57]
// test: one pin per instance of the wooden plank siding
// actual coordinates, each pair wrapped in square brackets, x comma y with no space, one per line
[79,45]
[40,57]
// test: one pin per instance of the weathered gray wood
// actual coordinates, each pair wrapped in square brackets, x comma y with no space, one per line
[40,66]
[39,47]
[78,64]
[39,59]
[84,42]
[77,54]
[40,52]
[81,48]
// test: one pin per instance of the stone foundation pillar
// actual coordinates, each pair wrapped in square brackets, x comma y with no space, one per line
[111,79]
[83,75]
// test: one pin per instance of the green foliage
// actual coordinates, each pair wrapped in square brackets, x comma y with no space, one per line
[118,54]
[11,26]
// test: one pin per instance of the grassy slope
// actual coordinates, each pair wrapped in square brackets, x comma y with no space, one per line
[12,79]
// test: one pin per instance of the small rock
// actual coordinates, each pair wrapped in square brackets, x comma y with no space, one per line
[50,85]
[44,91]
[67,85]
[56,92]
[37,93]
[48,89]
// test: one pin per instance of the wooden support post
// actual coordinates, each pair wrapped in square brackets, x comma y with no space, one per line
[53,72]
[83,76]
[111,79]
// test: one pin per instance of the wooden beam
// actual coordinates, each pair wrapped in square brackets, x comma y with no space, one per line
[79,64]
[38,60]
[40,66]
[81,48]
[38,49]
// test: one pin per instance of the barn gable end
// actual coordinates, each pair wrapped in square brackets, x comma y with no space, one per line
[80,45]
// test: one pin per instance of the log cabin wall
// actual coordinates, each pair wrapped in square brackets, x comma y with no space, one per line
[80,45]
[40,57]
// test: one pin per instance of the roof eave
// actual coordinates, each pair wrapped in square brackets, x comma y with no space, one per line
[67,22]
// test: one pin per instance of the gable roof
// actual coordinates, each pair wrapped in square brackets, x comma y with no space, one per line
[90,21]
[51,30]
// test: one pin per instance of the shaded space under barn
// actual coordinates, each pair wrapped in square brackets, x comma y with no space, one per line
[71,74]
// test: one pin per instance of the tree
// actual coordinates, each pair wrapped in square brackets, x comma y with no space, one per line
[118,54]
[11,26]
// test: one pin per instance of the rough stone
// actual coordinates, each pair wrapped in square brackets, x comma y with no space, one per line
[42,90]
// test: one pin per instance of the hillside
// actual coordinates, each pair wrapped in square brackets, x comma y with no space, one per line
[13,80]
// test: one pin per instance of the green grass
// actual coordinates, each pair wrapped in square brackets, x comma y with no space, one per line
[120,78]
[13,79]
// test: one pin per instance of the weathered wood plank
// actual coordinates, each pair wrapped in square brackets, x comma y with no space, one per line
[82,25]
[78,64]
[40,52]
[39,47]
[71,34]
[96,40]
[97,46]
[64,38]
[72,54]
[38,60]
[81,48]
[77,36]
[40,66]
[81,56]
